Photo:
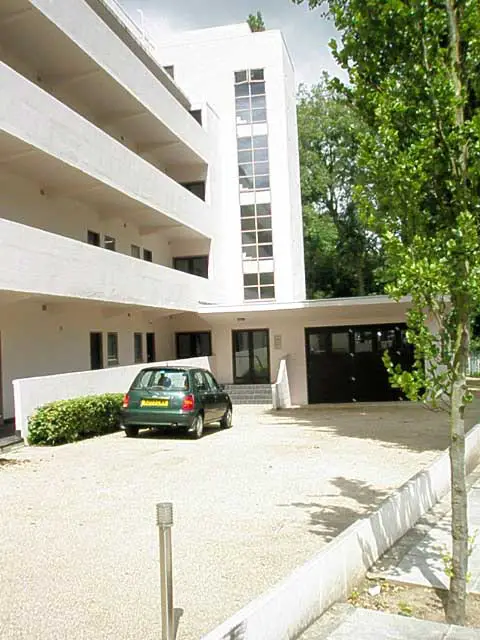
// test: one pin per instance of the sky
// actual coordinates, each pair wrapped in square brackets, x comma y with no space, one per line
[306,32]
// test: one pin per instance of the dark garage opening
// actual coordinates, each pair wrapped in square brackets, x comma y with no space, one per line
[344,364]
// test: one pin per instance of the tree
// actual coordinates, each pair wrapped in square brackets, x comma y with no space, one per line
[341,256]
[255,22]
[414,69]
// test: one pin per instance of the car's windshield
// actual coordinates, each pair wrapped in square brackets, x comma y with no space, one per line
[163,379]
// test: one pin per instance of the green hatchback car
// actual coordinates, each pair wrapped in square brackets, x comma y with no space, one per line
[178,397]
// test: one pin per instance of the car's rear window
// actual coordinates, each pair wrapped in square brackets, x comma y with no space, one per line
[164,379]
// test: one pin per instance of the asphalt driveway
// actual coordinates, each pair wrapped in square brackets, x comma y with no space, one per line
[77,525]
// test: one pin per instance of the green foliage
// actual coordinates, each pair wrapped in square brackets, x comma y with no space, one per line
[341,256]
[255,22]
[71,420]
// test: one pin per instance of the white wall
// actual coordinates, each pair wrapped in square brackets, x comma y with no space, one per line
[204,63]
[39,339]
[31,393]
[35,261]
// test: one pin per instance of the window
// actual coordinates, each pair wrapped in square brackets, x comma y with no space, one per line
[258,286]
[197,188]
[196,265]
[135,251]
[138,347]
[151,350]
[170,69]
[197,115]
[112,349]
[147,255]
[212,383]
[109,243]
[93,238]
[193,345]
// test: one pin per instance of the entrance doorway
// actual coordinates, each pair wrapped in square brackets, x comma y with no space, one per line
[251,357]
[96,350]
[151,355]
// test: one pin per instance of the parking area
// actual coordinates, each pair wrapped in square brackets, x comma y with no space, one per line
[78,534]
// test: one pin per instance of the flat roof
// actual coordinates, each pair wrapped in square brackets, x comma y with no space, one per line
[322,303]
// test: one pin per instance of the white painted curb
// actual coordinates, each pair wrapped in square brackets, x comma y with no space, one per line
[283,612]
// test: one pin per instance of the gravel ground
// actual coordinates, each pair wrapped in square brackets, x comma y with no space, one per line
[77,525]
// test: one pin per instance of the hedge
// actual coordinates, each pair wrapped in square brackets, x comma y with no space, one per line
[71,420]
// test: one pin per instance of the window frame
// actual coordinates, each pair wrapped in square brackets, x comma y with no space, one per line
[112,361]
[138,356]
[191,335]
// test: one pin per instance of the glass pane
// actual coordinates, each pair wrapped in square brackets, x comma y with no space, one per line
[267,292]
[183,345]
[248,224]
[200,266]
[93,238]
[258,88]
[264,237]
[244,117]
[242,104]
[109,243]
[242,90]
[260,142]
[250,279]
[317,343]
[259,115]
[264,223]
[112,349]
[181,264]
[249,238]
[266,278]
[246,183]
[138,347]
[264,209]
[147,255]
[250,252]
[259,102]
[240,76]
[386,339]
[256,74]
[262,182]
[363,341]
[265,251]
[251,293]
[260,353]
[341,342]
[135,251]
[242,354]
[245,169]
[260,155]
[247,210]
[244,156]
[202,343]
[261,168]
[245,142]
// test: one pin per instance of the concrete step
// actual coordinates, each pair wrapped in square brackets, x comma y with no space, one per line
[10,442]
[250,393]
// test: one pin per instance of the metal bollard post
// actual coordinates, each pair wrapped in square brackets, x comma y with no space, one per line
[165,522]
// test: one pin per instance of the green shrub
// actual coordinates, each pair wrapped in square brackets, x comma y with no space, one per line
[70,420]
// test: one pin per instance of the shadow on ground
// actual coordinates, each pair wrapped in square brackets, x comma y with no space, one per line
[333,512]
[403,424]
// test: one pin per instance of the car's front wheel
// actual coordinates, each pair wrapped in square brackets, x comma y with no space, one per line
[131,432]
[226,421]
[196,430]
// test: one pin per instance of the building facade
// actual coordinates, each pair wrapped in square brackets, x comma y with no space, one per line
[150,201]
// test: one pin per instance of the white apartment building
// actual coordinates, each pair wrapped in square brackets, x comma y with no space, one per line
[150,209]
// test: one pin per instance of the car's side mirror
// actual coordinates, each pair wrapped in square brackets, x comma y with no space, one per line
[221,387]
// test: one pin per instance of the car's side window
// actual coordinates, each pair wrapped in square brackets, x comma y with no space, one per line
[200,381]
[211,381]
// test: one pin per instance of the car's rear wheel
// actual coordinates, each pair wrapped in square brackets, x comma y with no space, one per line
[196,430]
[131,432]
[226,421]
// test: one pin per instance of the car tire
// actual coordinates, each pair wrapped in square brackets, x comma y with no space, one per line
[131,432]
[196,430]
[226,421]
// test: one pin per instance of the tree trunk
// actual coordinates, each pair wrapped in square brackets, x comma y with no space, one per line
[458,580]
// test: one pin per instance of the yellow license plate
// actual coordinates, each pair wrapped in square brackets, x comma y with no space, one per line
[154,403]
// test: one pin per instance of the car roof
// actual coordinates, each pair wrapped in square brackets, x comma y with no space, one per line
[173,368]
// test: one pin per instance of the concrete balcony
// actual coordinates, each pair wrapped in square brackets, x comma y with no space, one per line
[58,149]
[81,52]
[38,264]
